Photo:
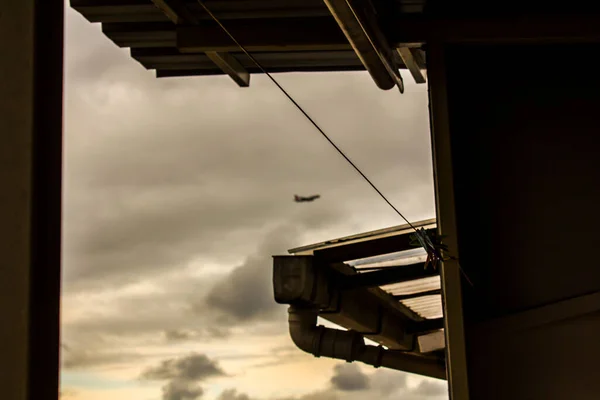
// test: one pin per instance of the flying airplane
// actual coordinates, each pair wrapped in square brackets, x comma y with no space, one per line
[302,199]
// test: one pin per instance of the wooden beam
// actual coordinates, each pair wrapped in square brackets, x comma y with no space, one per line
[176,11]
[148,34]
[505,29]
[411,63]
[310,34]
[359,24]
[231,67]
[172,59]
[145,11]
[171,73]
[123,11]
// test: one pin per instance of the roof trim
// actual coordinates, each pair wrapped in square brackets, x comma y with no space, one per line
[361,237]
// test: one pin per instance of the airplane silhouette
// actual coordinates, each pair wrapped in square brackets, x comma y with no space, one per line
[302,199]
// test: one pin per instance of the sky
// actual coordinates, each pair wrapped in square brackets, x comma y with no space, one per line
[177,193]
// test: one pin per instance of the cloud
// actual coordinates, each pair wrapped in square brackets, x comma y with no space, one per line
[160,171]
[175,335]
[349,382]
[247,292]
[83,358]
[349,378]
[181,390]
[193,367]
[232,394]
[433,388]
[183,375]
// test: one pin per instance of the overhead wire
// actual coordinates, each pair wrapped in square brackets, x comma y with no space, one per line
[422,237]
[301,109]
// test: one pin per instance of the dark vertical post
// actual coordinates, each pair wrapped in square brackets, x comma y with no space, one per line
[456,360]
[31,41]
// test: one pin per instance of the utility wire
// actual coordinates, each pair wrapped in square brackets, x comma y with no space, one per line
[264,71]
[422,237]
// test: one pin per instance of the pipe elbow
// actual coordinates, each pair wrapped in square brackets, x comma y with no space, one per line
[303,328]
[320,341]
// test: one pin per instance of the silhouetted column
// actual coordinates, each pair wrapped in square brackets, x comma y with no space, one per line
[31,44]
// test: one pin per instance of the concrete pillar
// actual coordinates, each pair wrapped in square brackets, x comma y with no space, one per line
[31,44]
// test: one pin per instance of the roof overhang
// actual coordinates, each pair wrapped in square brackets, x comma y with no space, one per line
[361,280]
[179,38]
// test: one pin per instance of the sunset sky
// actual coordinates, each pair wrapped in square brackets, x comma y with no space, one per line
[177,193]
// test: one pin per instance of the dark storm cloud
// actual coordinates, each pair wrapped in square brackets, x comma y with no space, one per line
[193,367]
[178,390]
[348,378]
[247,292]
[183,375]
[232,394]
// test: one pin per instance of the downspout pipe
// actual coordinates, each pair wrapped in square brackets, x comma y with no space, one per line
[350,346]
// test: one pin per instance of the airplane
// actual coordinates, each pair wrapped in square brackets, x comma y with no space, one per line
[302,199]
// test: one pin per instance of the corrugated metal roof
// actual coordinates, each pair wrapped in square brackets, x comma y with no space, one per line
[419,295]
[361,237]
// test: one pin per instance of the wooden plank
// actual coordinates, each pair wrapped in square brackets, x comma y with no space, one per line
[173,73]
[145,11]
[411,64]
[148,34]
[309,34]
[118,11]
[452,298]
[176,11]
[172,59]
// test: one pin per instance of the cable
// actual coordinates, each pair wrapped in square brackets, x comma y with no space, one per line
[422,236]
[264,71]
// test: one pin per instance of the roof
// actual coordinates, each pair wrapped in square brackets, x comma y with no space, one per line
[419,289]
[180,38]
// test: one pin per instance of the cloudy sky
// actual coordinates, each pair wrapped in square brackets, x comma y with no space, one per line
[177,193]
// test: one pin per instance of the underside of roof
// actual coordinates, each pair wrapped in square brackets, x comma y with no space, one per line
[185,38]
[179,38]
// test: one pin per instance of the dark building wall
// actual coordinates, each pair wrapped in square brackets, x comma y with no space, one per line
[525,145]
